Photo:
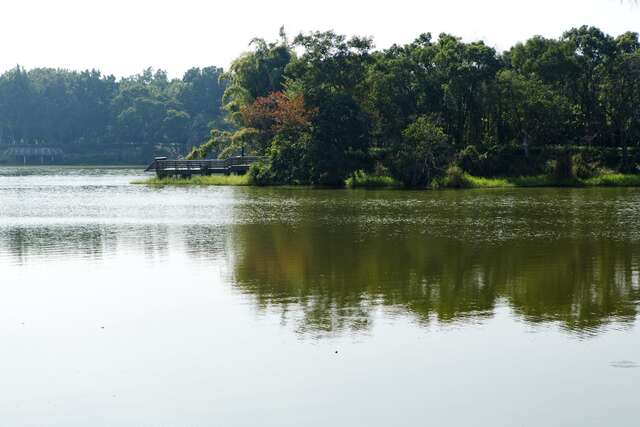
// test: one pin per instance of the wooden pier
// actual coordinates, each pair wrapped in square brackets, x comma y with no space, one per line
[186,168]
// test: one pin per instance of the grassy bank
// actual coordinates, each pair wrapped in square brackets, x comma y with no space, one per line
[464,180]
[614,180]
[461,180]
[469,181]
[197,180]
[603,180]
[363,180]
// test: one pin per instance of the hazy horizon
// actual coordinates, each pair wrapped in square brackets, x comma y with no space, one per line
[123,38]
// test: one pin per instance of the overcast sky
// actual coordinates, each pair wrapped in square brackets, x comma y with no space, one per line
[123,37]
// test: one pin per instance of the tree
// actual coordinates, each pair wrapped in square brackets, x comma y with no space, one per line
[256,74]
[533,112]
[622,95]
[593,52]
[331,74]
[276,114]
[401,85]
[423,153]
[175,125]
[200,94]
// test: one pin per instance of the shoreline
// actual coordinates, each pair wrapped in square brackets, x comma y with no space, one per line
[215,180]
[363,181]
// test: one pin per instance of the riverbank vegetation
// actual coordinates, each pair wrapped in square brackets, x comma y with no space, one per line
[438,112]
[454,177]
[326,110]
[198,180]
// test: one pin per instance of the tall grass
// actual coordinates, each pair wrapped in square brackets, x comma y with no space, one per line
[544,181]
[363,180]
[482,182]
[603,180]
[614,180]
[454,178]
[198,180]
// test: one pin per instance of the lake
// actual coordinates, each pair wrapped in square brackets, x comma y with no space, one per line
[234,306]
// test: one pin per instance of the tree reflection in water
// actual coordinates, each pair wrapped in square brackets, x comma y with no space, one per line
[328,261]
[338,278]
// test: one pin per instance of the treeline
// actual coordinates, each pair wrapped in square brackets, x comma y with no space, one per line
[92,114]
[323,107]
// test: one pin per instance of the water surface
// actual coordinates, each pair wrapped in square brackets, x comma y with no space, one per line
[133,306]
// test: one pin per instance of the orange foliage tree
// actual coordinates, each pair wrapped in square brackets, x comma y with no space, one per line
[277,114]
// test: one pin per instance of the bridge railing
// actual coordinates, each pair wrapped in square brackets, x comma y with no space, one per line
[162,164]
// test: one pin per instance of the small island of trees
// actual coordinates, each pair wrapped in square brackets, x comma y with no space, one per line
[325,108]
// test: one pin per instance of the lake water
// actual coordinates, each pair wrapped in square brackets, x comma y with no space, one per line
[124,305]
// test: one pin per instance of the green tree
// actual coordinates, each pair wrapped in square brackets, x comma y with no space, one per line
[593,52]
[423,153]
[331,75]
[200,94]
[622,96]
[255,74]
[533,112]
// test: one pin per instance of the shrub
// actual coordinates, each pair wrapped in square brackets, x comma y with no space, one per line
[614,180]
[455,177]
[581,168]
[290,159]
[422,153]
[365,180]
[260,174]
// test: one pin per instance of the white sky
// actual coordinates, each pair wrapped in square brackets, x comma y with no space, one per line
[123,37]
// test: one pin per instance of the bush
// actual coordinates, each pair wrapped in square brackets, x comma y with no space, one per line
[260,174]
[365,180]
[455,177]
[422,153]
[290,159]
[614,180]
[583,169]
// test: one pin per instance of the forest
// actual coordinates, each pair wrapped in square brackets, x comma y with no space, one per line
[323,108]
[95,119]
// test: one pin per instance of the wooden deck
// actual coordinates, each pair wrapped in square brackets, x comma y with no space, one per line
[187,168]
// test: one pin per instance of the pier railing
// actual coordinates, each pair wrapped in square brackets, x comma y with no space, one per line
[186,168]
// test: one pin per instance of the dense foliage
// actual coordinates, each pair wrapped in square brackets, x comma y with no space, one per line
[325,107]
[96,118]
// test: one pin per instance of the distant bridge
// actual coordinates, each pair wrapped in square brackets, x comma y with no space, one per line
[186,168]
[32,154]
